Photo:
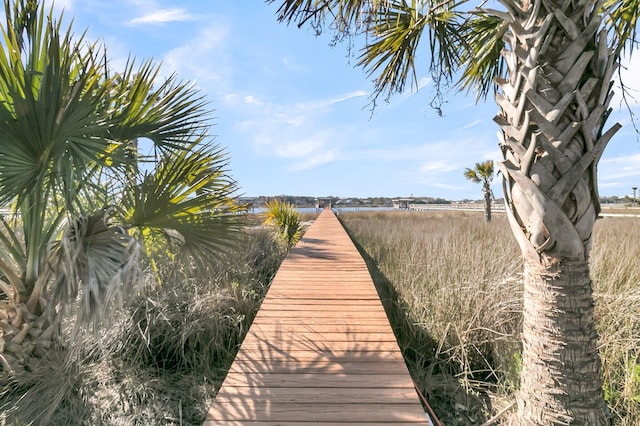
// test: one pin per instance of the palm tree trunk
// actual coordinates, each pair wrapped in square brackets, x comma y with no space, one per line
[559,333]
[487,202]
[553,108]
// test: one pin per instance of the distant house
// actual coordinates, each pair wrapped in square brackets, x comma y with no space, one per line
[402,203]
[325,202]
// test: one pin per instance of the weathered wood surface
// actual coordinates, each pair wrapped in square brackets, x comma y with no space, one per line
[321,350]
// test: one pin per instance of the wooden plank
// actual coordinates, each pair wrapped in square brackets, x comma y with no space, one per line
[328,314]
[317,395]
[320,350]
[318,328]
[291,306]
[251,410]
[354,321]
[286,366]
[317,356]
[327,335]
[263,346]
[319,380]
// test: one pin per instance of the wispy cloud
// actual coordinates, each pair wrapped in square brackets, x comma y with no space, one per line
[421,84]
[325,103]
[318,159]
[162,16]
[619,167]
[439,166]
[60,5]
[295,132]
[473,123]
[204,58]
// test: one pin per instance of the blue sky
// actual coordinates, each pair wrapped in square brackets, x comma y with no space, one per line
[295,115]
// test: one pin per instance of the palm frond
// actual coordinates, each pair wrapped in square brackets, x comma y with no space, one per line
[622,18]
[171,114]
[185,203]
[94,261]
[482,62]
[482,172]
[341,16]
[471,175]
[396,33]
[286,221]
[391,54]
[48,99]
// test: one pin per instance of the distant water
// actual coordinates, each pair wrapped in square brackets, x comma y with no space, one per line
[335,209]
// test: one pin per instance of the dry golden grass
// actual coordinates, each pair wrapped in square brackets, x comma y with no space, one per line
[452,285]
[162,357]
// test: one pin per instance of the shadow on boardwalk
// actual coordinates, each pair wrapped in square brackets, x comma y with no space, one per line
[320,349]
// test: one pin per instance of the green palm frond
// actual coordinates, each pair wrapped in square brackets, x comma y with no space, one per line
[622,17]
[344,15]
[482,62]
[396,32]
[185,203]
[391,54]
[393,28]
[472,175]
[168,113]
[286,221]
[482,172]
[48,96]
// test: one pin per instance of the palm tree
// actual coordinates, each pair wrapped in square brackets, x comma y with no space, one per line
[483,173]
[550,65]
[87,202]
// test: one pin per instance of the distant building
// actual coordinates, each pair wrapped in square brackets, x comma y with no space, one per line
[325,202]
[402,203]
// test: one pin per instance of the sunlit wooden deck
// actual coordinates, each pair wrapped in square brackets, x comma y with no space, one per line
[321,350]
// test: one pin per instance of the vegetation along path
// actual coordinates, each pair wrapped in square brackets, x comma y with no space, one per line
[321,349]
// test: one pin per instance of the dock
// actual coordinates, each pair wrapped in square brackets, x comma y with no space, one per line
[320,350]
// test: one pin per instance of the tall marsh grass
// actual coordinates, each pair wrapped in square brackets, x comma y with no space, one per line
[452,287]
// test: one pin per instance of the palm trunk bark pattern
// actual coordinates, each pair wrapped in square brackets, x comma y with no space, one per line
[553,108]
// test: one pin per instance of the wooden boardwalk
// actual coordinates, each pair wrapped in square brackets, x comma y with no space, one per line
[320,350]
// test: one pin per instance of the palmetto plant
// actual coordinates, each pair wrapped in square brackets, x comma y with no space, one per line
[285,220]
[483,173]
[550,65]
[87,200]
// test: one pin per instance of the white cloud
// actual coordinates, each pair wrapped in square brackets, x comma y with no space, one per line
[162,16]
[252,100]
[292,64]
[204,58]
[299,148]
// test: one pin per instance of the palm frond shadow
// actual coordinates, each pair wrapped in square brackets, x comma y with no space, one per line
[312,247]
[289,366]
